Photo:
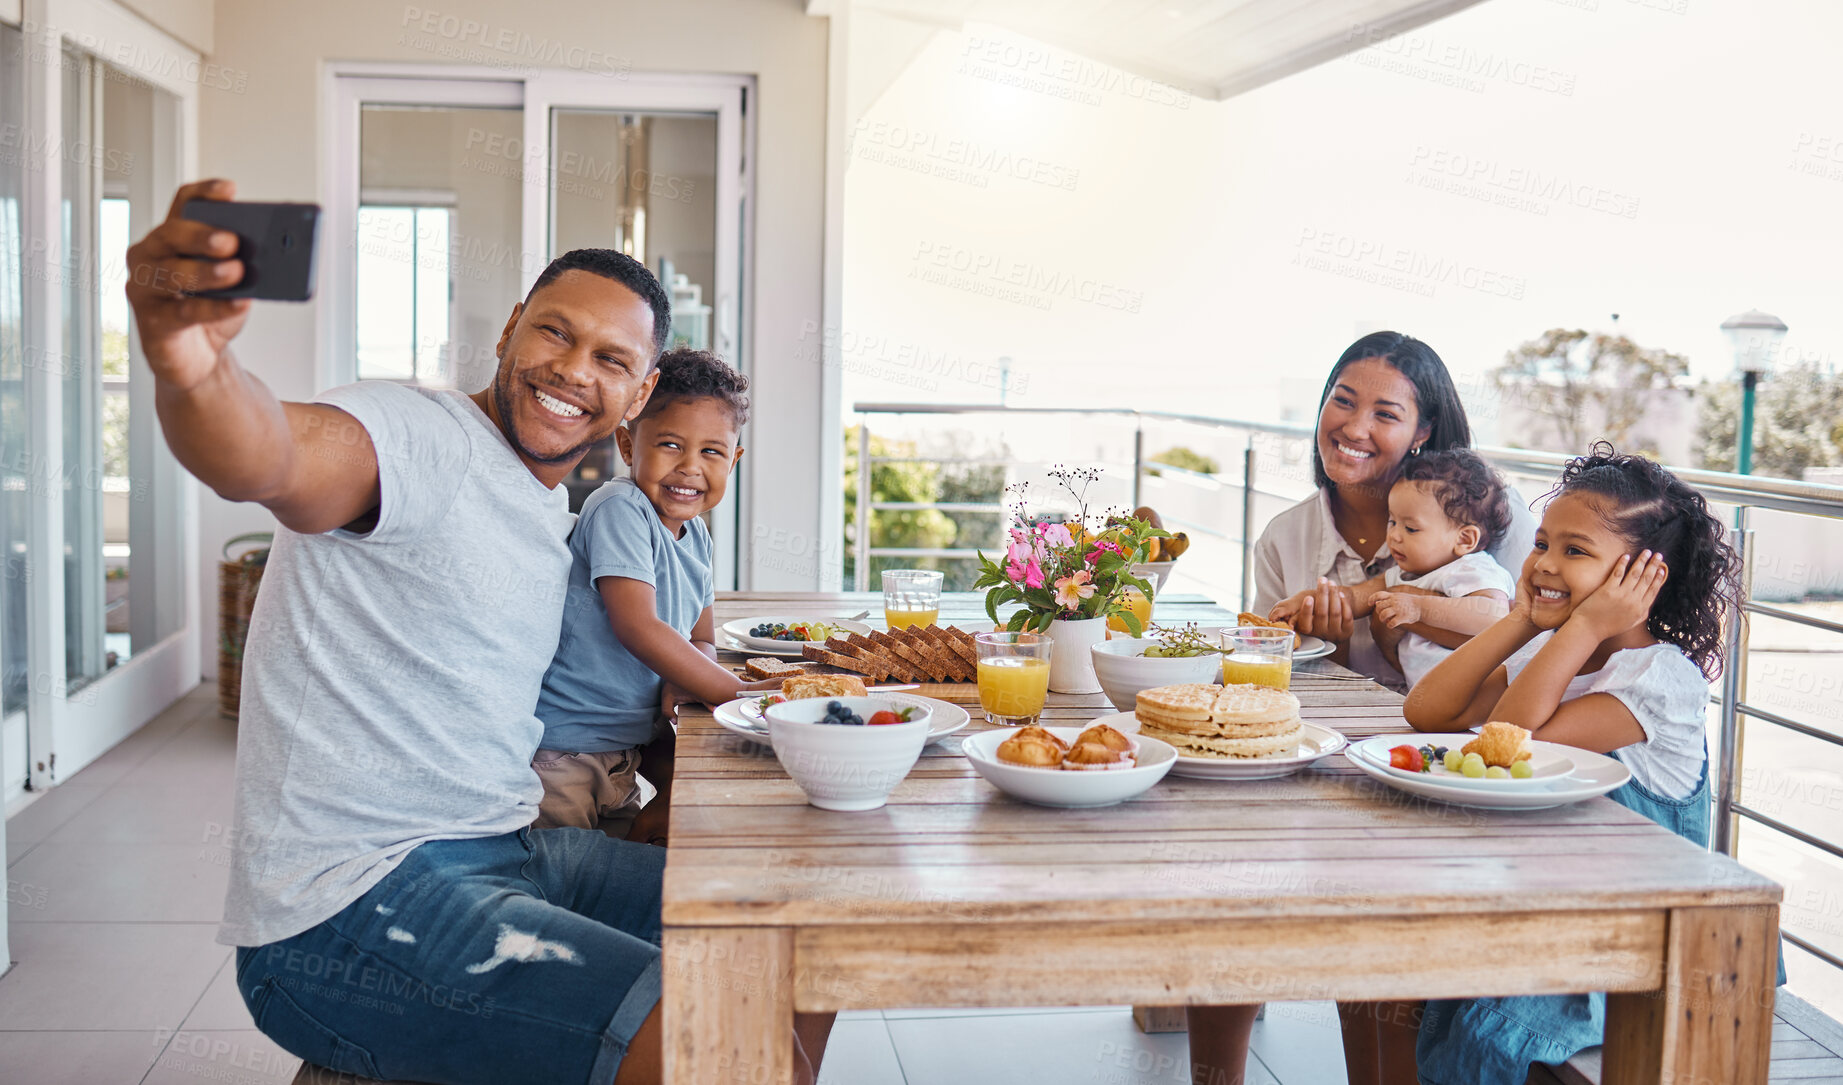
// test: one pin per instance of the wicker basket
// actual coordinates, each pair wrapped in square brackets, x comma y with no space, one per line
[238,579]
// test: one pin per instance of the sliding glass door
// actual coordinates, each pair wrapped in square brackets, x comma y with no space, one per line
[95,610]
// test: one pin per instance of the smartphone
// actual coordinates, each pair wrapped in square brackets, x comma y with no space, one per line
[275,241]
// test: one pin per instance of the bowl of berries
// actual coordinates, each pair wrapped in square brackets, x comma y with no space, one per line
[847,753]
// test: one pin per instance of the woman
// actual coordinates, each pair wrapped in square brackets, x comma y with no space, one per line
[1388,397]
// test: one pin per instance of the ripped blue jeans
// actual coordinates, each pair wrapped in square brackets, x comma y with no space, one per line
[528,957]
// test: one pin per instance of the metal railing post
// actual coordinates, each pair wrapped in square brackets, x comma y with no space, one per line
[1247,524]
[861,571]
[1733,690]
[1138,457]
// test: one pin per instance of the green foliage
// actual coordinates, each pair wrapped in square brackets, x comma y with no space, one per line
[1185,459]
[1797,422]
[917,482]
[1588,384]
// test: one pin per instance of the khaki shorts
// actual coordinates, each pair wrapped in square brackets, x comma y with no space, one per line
[591,790]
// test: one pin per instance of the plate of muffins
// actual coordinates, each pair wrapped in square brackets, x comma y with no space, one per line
[1233,732]
[1098,765]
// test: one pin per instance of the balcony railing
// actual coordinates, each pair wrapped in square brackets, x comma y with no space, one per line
[1266,443]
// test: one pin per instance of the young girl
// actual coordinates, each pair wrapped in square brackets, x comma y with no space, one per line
[1610,646]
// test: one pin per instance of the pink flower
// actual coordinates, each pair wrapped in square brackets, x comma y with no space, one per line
[1033,574]
[1102,547]
[1014,572]
[1072,589]
[1056,534]
[1018,551]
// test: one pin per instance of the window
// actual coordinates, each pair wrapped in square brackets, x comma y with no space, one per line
[404,292]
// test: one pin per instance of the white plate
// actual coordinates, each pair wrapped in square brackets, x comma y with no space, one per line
[1307,648]
[1060,788]
[1549,763]
[738,630]
[1594,775]
[947,718]
[1317,741]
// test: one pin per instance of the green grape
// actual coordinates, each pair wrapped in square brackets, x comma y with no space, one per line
[1497,772]
[1521,770]
[1473,769]
[1454,759]
[1156,651]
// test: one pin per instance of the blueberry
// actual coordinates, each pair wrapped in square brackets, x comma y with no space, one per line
[833,708]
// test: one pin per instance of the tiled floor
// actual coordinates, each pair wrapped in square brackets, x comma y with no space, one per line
[116,978]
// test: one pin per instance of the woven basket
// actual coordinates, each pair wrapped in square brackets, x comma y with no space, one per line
[238,579]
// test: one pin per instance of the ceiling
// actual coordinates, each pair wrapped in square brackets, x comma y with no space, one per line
[1212,49]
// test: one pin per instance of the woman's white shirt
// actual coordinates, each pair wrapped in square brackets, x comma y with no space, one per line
[1668,695]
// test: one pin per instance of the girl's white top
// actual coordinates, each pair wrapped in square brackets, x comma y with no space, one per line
[1670,699]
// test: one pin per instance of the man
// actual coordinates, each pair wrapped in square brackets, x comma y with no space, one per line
[395,917]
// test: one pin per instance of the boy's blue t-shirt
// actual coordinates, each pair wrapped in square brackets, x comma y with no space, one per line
[597,697]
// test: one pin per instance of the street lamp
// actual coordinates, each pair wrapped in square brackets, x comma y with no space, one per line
[1755,337]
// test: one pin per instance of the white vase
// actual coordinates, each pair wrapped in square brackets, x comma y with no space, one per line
[1071,664]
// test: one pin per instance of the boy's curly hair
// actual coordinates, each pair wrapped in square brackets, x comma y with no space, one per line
[697,374]
[1653,509]
[1470,492]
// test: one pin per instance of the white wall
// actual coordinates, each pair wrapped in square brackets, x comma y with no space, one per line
[264,138]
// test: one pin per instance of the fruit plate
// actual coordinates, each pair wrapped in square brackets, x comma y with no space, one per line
[738,631]
[1060,788]
[945,718]
[1317,741]
[1549,763]
[1594,775]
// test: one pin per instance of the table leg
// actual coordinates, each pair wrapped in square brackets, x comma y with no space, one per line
[728,1005]
[1711,1023]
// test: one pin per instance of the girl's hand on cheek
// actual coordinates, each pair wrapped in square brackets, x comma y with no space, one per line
[1624,600]
[1521,606]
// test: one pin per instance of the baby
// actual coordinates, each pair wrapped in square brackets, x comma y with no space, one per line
[1445,511]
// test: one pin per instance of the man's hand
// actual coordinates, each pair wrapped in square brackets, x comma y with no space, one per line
[183,336]
[1395,609]
[1624,600]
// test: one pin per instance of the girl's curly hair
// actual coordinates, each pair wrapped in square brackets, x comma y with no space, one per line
[1653,509]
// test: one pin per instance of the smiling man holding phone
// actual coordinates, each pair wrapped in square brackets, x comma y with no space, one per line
[394,916]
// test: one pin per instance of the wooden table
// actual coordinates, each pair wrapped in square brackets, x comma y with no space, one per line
[1321,885]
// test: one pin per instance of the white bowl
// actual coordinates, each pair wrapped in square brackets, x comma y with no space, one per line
[1060,787]
[845,767]
[1123,671]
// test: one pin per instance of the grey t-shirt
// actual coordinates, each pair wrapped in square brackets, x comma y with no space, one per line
[390,677]
[597,696]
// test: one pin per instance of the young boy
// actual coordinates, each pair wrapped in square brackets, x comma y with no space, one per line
[638,634]
[1445,511]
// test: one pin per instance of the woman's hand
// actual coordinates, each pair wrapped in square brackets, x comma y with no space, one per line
[1325,613]
[1624,600]
[1395,609]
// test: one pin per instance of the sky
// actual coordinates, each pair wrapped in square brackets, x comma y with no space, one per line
[1521,165]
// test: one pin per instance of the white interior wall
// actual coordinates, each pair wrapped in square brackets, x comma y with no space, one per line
[263,138]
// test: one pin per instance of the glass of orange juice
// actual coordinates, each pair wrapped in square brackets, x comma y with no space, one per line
[1013,676]
[1261,656]
[911,597]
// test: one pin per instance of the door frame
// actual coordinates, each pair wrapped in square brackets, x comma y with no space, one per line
[66,729]
[347,84]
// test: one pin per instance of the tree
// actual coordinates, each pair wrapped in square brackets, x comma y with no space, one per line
[1589,385]
[1797,422]
[1184,459]
[906,481]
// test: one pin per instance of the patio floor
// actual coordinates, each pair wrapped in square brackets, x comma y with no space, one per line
[116,892]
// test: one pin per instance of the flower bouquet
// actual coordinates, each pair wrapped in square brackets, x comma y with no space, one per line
[1069,570]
